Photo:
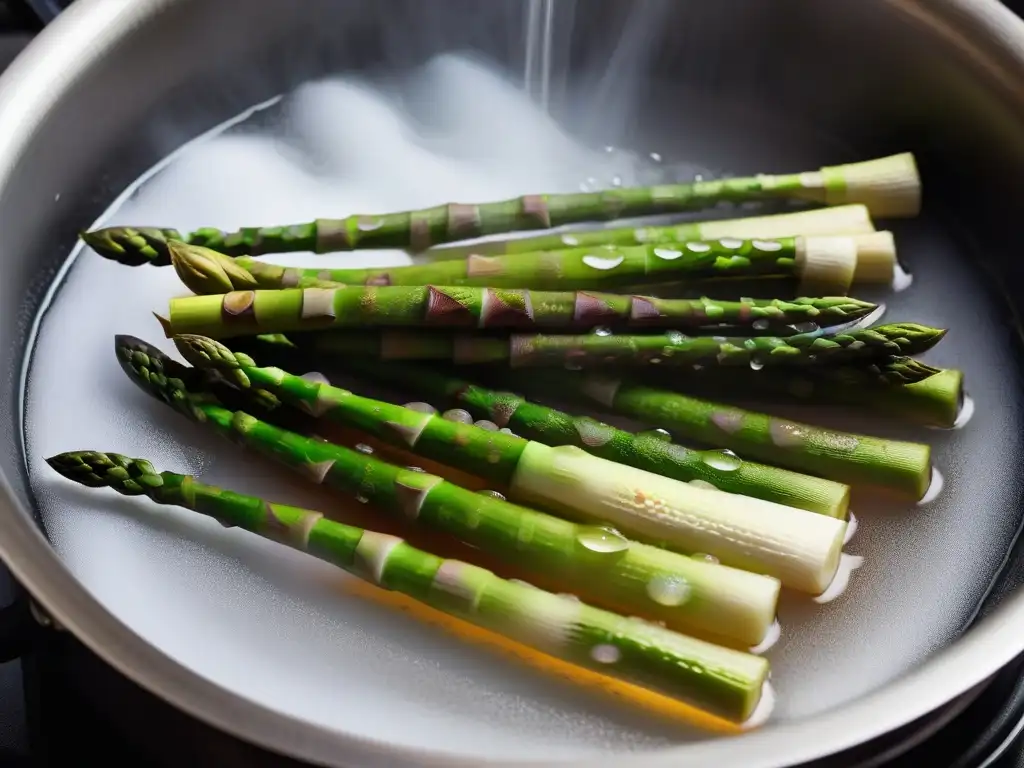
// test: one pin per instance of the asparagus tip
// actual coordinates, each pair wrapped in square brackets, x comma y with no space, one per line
[130,246]
[205,271]
[165,324]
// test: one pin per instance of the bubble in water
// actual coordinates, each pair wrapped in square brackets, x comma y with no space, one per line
[458,415]
[724,461]
[602,330]
[761,324]
[421,408]
[364,448]
[934,488]
[668,590]
[599,538]
[771,637]
[847,565]
[490,426]
[966,412]
[605,653]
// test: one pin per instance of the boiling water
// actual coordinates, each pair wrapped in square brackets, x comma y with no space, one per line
[298,636]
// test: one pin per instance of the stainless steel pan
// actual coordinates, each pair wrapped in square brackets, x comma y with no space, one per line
[268,649]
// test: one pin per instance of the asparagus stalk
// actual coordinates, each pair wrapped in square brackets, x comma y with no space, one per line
[595,561]
[649,452]
[725,682]
[902,467]
[824,266]
[901,388]
[839,220]
[889,187]
[462,307]
[799,548]
[670,349]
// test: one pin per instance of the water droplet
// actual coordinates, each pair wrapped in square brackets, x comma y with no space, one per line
[605,653]
[728,421]
[764,709]
[807,327]
[507,431]
[724,461]
[655,360]
[851,528]
[787,434]
[602,330]
[771,637]
[705,558]
[367,224]
[966,412]
[493,494]
[761,324]
[934,488]
[616,181]
[697,247]
[847,565]
[668,590]
[674,337]
[730,242]
[698,483]
[362,499]
[416,469]
[421,408]
[756,364]
[657,434]
[521,583]
[570,597]
[668,254]
[655,157]
[599,538]
[901,279]
[601,262]
[570,240]
[364,448]
[767,245]
[458,415]
[490,426]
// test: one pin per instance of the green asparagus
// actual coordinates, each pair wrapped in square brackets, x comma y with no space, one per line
[670,349]
[595,561]
[799,548]
[648,452]
[889,187]
[460,307]
[846,458]
[839,220]
[824,265]
[725,682]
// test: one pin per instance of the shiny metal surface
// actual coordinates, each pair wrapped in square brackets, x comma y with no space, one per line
[942,77]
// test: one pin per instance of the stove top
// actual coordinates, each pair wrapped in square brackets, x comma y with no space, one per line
[61,706]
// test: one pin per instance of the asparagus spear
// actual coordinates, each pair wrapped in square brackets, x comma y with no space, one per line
[595,561]
[825,266]
[799,548]
[847,458]
[649,452]
[902,388]
[462,307]
[888,186]
[839,220]
[725,682]
[669,349]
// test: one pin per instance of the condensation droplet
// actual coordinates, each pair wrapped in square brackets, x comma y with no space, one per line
[421,408]
[368,225]
[697,247]
[767,245]
[570,240]
[730,242]
[598,538]
[674,337]
[668,254]
[364,448]
[605,653]
[458,415]
[724,461]
[657,434]
[756,364]
[698,483]
[602,330]
[668,590]
[490,426]
[602,263]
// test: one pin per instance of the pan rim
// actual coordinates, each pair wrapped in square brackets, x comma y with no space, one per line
[985,29]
